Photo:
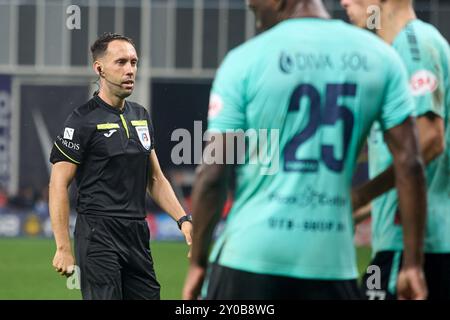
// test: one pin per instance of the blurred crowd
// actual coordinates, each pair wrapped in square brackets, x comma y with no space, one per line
[35,200]
[27,200]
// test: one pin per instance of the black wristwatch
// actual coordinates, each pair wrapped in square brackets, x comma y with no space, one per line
[184,219]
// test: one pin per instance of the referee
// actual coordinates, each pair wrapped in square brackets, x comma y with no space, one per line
[107,145]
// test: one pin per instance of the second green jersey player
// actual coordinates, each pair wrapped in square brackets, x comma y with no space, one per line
[426,55]
[317,84]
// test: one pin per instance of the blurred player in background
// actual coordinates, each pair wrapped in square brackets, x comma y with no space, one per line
[426,56]
[322,83]
[107,145]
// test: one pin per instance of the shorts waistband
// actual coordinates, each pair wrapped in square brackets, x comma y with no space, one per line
[96,215]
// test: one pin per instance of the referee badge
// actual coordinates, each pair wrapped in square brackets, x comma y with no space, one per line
[144,136]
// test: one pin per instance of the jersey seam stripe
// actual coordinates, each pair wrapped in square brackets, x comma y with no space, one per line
[125,125]
[66,155]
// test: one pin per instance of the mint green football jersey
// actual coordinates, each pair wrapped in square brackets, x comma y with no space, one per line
[319,85]
[426,55]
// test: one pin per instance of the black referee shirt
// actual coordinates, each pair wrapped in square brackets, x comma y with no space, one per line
[111,149]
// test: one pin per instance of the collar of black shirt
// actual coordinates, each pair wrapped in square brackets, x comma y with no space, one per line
[109,107]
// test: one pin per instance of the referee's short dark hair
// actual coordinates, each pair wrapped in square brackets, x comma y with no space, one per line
[100,45]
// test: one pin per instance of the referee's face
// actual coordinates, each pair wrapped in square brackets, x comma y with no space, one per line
[119,66]
[358,10]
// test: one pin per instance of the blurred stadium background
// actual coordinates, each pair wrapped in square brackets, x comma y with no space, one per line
[45,72]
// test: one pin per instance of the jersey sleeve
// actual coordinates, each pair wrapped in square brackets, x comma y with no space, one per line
[426,80]
[398,102]
[70,143]
[227,99]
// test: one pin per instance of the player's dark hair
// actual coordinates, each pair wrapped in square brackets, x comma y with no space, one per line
[100,45]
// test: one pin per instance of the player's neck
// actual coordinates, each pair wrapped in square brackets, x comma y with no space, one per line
[114,101]
[307,9]
[393,22]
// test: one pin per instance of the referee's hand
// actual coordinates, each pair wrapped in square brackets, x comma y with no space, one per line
[63,262]
[186,228]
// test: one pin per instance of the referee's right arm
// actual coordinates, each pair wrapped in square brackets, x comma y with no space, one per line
[62,175]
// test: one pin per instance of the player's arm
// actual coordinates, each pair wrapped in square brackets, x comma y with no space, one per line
[228,100]
[410,183]
[432,144]
[429,121]
[431,136]
[162,193]
[411,187]
[362,214]
[61,176]
[208,198]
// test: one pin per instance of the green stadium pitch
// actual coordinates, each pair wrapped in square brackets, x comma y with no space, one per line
[26,272]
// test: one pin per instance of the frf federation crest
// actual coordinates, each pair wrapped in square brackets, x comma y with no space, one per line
[144,136]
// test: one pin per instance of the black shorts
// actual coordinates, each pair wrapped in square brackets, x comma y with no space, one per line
[114,258]
[230,284]
[380,280]
[437,275]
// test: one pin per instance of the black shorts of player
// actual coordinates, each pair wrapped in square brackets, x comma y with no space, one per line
[230,284]
[114,258]
[436,269]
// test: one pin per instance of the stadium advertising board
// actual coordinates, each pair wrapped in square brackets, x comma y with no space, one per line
[28,224]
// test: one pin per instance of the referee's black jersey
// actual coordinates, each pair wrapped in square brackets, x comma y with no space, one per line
[111,149]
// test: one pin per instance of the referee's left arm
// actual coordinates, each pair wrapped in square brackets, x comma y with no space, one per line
[162,193]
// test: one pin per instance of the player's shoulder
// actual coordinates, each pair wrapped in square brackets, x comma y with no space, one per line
[418,33]
[384,56]
[239,56]
[421,45]
[324,30]
[365,40]
[385,59]
[436,37]
[427,29]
